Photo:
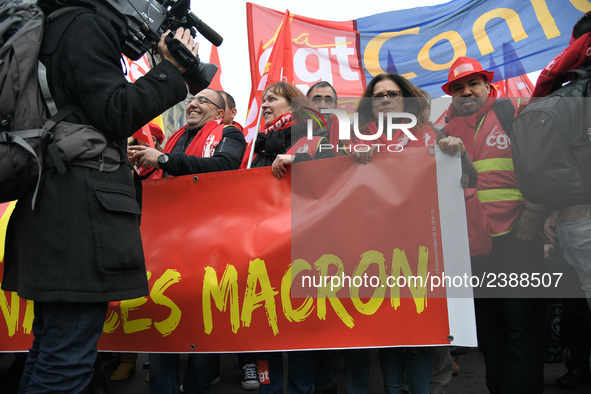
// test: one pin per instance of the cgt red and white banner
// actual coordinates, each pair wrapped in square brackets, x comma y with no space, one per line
[319,51]
[335,255]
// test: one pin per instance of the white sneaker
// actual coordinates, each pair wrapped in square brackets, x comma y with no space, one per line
[250,377]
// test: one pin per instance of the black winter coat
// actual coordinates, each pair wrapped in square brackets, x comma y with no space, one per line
[82,242]
[279,142]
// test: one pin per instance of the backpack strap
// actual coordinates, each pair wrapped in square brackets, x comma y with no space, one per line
[51,146]
[44,85]
[18,137]
[59,116]
[505,112]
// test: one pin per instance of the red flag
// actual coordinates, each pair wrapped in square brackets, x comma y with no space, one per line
[253,106]
[520,86]
[214,57]
[314,43]
[281,60]
[150,129]
[144,134]
[279,67]
[136,69]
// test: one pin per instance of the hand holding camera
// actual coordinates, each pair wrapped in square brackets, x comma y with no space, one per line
[144,25]
[180,49]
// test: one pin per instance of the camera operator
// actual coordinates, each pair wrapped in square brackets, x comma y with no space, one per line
[81,246]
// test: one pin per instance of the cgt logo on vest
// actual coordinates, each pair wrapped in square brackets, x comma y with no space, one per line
[345,130]
[499,139]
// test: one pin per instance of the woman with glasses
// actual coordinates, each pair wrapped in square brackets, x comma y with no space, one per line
[390,93]
[385,94]
[391,98]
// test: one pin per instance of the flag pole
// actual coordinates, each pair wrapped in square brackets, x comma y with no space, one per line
[254,139]
[272,65]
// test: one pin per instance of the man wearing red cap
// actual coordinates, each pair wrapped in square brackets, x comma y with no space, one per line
[510,330]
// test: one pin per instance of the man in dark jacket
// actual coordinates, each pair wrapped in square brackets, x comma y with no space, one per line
[81,246]
[569,227]
[204,144]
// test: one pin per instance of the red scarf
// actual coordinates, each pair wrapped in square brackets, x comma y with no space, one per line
[282,122]
[203,145]
[571,58]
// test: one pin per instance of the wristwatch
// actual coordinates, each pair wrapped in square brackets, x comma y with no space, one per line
[163,159]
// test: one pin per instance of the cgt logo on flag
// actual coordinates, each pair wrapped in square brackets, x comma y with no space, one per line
[263,369]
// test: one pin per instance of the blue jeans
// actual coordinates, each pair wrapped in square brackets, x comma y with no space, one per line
[415,361]
[574,236]
[62,357]
[301,372]
[164,373]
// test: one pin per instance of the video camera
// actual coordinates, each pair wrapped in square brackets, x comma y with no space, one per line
[140,23]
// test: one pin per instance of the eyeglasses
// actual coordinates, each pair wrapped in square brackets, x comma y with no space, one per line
[201,100]
[392,95]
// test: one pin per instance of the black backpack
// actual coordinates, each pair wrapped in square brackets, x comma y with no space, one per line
[24,133]
[30,140]
[551,144]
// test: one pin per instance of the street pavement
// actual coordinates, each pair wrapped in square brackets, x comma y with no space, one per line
[470,380]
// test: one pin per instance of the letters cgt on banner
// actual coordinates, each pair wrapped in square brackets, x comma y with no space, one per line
[332,256]
[511,37]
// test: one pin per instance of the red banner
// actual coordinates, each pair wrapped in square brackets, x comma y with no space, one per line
[214,57]
[320,51]
[233,271]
